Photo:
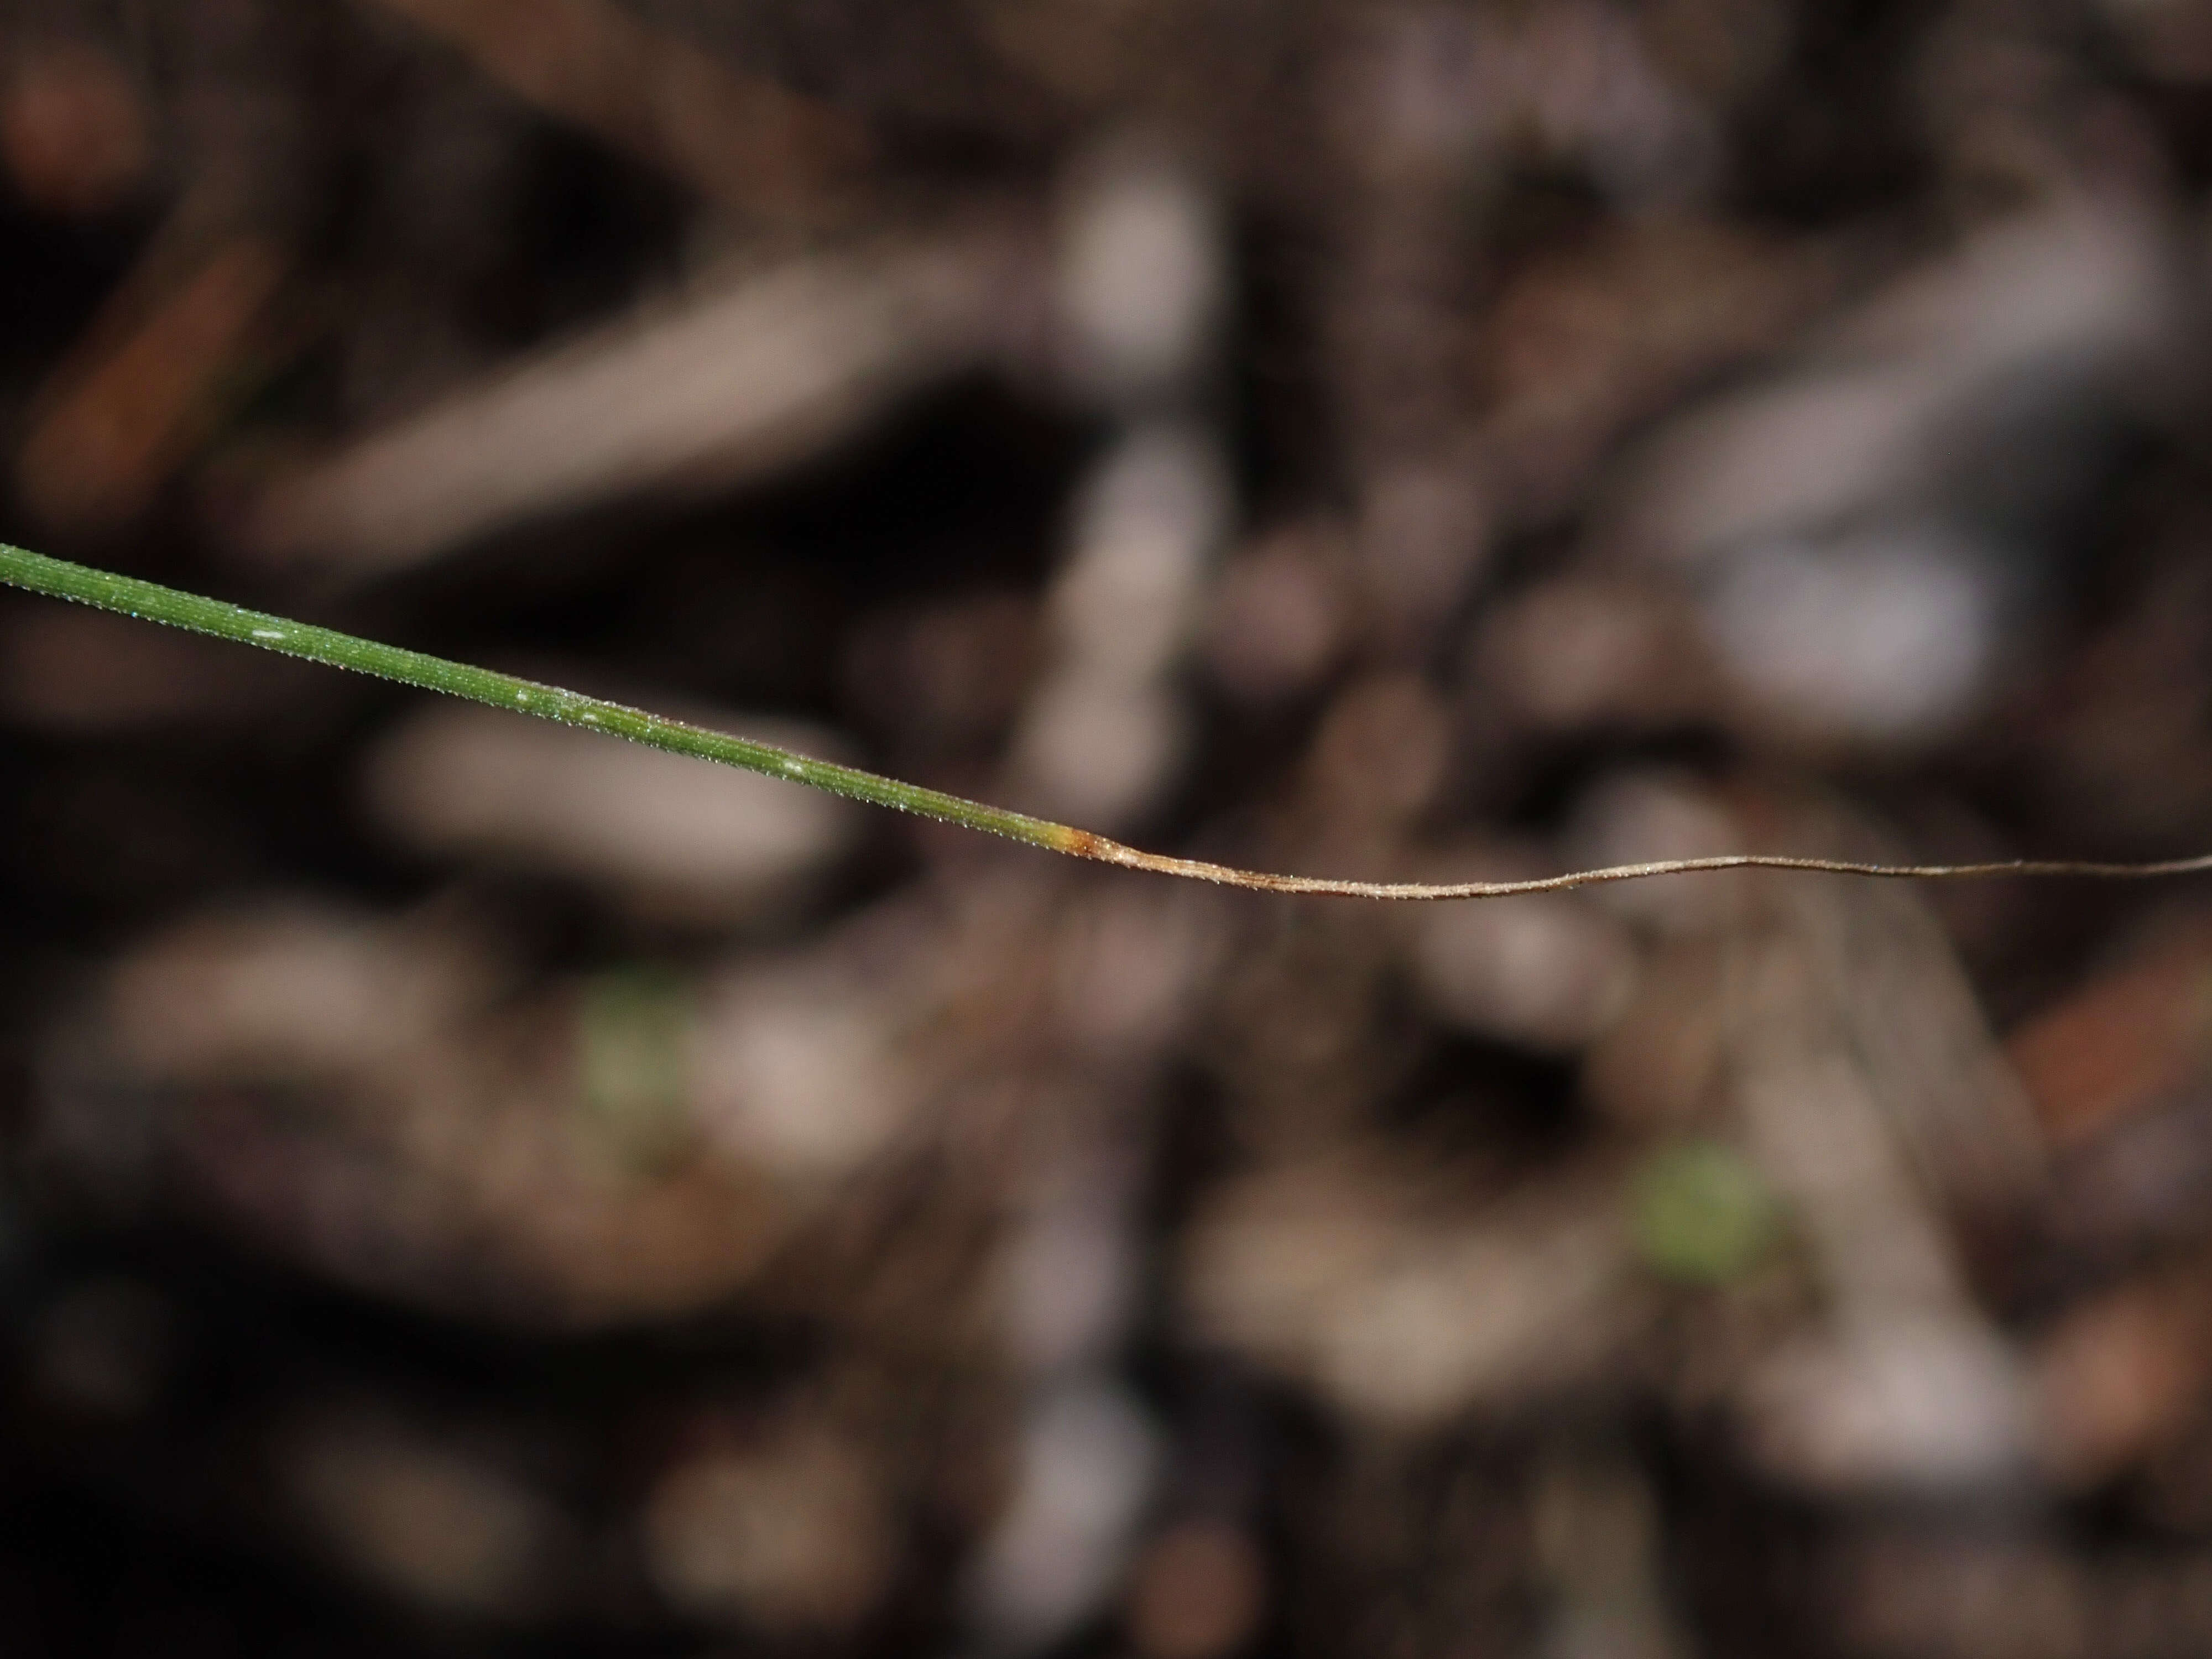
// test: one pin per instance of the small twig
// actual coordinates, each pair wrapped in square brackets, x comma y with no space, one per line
[152,602]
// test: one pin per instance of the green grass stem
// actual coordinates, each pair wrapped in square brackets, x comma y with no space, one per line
[128,596]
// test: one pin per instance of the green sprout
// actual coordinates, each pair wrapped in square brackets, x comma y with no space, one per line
[1702,1214]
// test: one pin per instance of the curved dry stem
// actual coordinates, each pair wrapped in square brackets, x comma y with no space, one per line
[128,596]
[1323,887]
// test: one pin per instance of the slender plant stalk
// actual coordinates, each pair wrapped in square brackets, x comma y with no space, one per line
[149,601]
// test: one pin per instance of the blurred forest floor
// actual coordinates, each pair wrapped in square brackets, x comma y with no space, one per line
[468,1188]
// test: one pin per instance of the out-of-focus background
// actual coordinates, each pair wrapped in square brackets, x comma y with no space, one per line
[467,1188]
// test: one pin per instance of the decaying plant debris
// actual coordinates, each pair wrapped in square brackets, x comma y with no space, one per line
[465,1191]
